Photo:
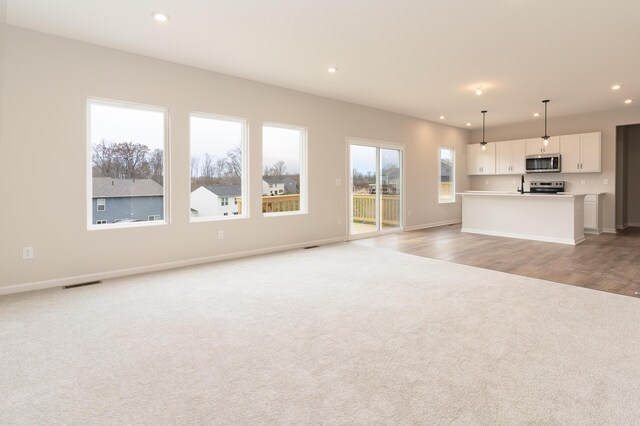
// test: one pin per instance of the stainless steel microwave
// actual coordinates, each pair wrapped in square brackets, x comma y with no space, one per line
[543,163]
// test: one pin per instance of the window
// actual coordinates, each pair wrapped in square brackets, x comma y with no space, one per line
[154,217]
[284,159]
[125,163]
[100,222]
[446,175]
[218,166]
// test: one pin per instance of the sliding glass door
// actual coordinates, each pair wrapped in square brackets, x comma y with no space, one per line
[375,188]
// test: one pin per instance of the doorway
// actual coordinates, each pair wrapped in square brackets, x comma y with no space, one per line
[628,176]
[375,188]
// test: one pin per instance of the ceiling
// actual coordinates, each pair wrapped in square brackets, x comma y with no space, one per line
[422,58]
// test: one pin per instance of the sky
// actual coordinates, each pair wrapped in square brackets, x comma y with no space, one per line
[117,124]
[207,134]
[363,158]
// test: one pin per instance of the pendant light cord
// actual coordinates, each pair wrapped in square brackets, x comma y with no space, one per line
[483,121]
[545,102]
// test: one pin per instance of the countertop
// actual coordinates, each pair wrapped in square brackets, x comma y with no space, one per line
[517,194]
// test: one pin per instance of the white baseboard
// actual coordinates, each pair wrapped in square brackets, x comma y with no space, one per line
[433,225]
[78,279]
[525,236]
[611,230]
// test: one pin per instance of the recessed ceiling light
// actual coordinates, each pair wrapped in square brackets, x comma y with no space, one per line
[536,114]
[615,87]
[628,101]
[160,16]
[478,91]
[332,70]
[442,117]
[468,124]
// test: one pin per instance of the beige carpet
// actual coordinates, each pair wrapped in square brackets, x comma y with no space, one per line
[342,334]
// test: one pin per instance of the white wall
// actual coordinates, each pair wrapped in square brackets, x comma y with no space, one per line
[604,122]
[43,170]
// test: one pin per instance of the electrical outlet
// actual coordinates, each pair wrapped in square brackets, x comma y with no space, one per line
[408,212]
[338,182]
[220,235]
[486,182]
[606,181]
[583,181]
[339,220]
[27,253]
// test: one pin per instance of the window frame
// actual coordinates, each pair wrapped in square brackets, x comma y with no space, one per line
[452,199]
[304,188]
[166,167]
[244,179]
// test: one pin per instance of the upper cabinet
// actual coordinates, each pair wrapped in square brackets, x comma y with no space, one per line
[536,146]
[581,153]
[510,157]
[481,162]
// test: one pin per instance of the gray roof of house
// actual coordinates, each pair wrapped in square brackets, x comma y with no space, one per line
[225,190]
[273,179]
[104,187]
[277,179]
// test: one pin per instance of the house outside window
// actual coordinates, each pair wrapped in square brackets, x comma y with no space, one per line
[284,178]
[446,175]
[218,167]
[125,164]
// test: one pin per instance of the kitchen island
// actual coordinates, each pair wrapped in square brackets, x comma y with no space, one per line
[556,218]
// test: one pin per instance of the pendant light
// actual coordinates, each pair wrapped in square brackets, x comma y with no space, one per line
[545,138]
[483,144]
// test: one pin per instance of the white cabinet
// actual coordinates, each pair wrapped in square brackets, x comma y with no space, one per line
[592,213]
[581,153]
[590,152]
[481,162]
[536,146]
[510,157]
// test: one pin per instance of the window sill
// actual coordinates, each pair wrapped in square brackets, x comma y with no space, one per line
[278,214]
[447,202]
[217,218]
[144,224]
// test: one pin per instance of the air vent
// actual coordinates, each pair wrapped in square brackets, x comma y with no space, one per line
[81,285]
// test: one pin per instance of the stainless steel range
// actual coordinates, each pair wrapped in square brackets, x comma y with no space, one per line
[537,187]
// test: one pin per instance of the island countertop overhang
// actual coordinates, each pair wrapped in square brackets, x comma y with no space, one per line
[562,195]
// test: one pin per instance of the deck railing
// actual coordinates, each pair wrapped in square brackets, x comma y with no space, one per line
[364,206]
[276,203]
[445,191]
[364,209]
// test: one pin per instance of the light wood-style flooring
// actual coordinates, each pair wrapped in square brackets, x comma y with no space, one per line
[606,262]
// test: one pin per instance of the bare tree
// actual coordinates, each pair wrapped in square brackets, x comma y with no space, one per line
[234,161]
[195,162]
[103,160]
[132,157]
[156,166]
[278,169]
[207,170]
